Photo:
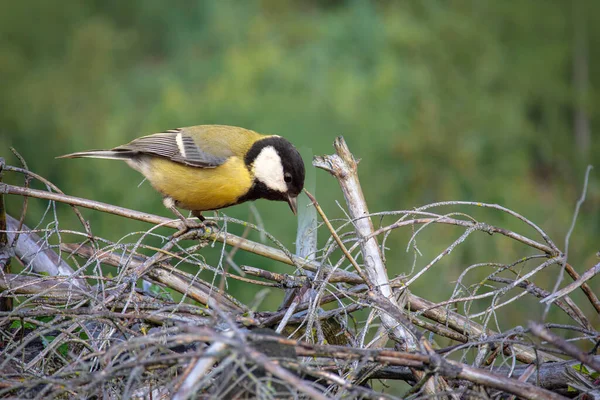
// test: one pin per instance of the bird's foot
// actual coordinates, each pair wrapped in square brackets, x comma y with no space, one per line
[187,225]
[211,224]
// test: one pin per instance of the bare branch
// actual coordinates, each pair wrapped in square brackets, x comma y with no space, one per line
[570,349]
[33,252]
[343,166]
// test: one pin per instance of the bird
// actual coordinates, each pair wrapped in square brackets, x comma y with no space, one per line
[210,167]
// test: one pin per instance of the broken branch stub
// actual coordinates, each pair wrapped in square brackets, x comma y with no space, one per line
[343,167]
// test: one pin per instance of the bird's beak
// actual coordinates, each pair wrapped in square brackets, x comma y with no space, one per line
[293,202]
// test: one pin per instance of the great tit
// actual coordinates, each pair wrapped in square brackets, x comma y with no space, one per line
[209,167]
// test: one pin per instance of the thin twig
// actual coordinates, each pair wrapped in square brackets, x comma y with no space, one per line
[587,275]
[540,331]
[223,237]
[568,235]
[339,241]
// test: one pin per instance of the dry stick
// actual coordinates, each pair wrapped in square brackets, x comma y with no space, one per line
[94,317]
[189,251]
[131,274]
[446,318]
[492,229]
[282,373]
[291,309]
[543,234]
[569,348]
[506,288]
[354,389]
[276,316]
[341,352]
[343,167]
[584,286]
[50,185]
[522,389]
[60,338]
[466,372]
[306,247]
[324,315]
[438,329]
[199,369]
[6,303]
[529,371]
[28,179]
[589,274]
[568,237]
[339,241]
[464,325]
[566,304]
[283,280]
[164,273]
[141,269]
[51,289]
[549,375]
[452,369]
[28,249]
[449,321]
[229,259]
[551,250]
[467,224]
[232,240]
[192,316]
[115,259]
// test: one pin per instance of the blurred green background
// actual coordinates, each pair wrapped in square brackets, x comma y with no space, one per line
[476,100]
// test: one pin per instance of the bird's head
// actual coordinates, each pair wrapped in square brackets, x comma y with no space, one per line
[278,170]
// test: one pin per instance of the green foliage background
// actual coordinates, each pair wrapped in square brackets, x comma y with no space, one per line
[442,100]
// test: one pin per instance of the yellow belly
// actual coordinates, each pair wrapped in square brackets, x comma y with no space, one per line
[200,189]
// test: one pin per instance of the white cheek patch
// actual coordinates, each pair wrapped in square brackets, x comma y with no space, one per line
[269,170]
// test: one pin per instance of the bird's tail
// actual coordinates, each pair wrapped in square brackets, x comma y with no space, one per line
[107,154]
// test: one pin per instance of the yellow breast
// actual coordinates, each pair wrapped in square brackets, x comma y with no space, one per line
[200,189]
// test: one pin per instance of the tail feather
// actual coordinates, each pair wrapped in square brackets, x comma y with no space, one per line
[106,154]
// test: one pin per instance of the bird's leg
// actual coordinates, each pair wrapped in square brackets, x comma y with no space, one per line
[187,224]
[198,214]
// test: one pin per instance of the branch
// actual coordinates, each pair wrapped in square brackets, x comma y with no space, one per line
[5,256]
[550,375]
[343,167]
[569,348]
[30,249]
[165,274]
[223,237]
[587,275]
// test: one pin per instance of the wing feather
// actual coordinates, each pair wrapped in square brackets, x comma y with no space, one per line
[175,145]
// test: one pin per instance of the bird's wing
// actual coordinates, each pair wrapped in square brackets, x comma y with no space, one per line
[179,146]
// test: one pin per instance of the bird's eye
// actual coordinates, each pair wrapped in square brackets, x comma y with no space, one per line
[287,177]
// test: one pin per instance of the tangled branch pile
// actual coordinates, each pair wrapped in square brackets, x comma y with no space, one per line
[74,332]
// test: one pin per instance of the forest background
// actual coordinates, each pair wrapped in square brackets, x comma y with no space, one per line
[442,100]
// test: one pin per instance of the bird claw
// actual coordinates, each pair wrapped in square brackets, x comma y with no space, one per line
[211,224]
[190,225]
